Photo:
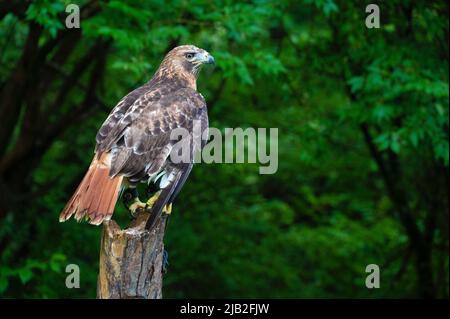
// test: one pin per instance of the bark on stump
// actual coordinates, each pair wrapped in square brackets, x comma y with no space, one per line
[131,260]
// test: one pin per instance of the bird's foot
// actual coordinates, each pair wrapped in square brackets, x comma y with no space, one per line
[131,201]
[167,209]
[137,207]
[152,200]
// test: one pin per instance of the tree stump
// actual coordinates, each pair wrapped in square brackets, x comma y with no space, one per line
[131,260]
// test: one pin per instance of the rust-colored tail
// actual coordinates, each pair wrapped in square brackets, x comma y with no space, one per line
[96,196]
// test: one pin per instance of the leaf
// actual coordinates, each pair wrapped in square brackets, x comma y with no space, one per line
[356,83]
[414,138]
[56,262]
[382,141]
[395,144]
[3,284]
[25,274]
[382,112]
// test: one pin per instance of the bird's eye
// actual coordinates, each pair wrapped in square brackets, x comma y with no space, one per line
[189,55]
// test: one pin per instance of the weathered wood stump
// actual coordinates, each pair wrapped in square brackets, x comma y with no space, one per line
[131,260]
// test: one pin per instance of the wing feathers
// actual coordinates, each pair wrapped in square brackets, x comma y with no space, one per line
[162,200]
[141,142]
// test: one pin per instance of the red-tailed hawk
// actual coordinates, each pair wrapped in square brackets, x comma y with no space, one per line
[134,144]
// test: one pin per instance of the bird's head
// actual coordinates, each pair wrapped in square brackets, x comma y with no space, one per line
[185,61]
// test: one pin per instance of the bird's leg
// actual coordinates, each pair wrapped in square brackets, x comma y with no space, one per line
[131,200]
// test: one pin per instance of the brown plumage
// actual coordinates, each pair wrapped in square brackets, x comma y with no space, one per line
[134,145]
[96,195]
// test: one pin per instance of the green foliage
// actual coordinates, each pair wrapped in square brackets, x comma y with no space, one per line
[30,270]
[45,13]
[310,69]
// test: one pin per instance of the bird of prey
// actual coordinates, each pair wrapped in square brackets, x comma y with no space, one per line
[134,143]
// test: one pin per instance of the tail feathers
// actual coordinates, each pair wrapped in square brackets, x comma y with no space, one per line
[96,196]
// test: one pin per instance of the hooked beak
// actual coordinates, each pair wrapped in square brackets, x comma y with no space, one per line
[205,58]
[210,59]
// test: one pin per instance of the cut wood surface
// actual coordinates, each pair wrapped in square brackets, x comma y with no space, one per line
[131,260]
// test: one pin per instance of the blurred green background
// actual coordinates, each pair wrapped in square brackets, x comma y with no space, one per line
[363,144]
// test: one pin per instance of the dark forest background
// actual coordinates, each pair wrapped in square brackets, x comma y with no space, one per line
[363,144]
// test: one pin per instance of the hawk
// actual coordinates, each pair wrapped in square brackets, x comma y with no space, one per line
[134,144]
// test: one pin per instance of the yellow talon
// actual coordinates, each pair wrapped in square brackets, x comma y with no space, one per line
[137,204]
[167,209]
[152,200]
